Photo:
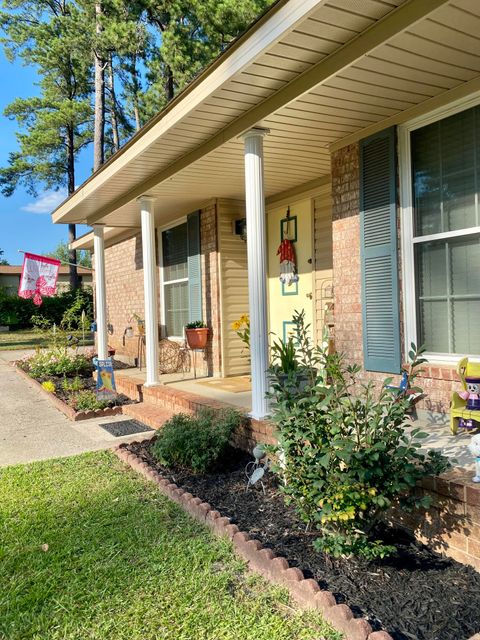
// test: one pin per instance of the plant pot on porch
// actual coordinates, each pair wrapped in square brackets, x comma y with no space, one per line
[197,338]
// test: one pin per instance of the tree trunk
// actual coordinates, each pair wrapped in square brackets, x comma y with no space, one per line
[113,106]
[99,119]
[72,231]
[170,88]
[136,89]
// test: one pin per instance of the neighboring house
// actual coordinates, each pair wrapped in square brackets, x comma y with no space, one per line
[10,277]
[360,119]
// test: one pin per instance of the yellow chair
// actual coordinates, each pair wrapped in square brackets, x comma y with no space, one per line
[458,410]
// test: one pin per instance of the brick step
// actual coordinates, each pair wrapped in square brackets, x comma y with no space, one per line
[178,401]
[151,415]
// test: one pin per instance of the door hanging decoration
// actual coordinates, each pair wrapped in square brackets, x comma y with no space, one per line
[39,277]
[286,251]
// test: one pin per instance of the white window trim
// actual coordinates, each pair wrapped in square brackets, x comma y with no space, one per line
[160,231]
[407,237]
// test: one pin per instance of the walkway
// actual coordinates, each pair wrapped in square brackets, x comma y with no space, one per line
[32,429]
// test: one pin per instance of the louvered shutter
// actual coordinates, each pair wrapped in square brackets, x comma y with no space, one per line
[379,264]
[194,268]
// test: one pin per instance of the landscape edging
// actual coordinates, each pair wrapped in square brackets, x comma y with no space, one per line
[305,591]
[62,406]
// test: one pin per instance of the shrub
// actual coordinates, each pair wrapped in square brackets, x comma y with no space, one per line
[57,362]
[344,454]
[196,442]
[63,309]
[87,401]
[49,386]
[73,386]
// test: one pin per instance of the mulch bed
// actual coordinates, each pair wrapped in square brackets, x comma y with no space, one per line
[416,595]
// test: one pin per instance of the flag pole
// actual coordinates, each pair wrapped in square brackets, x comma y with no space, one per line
[70,264]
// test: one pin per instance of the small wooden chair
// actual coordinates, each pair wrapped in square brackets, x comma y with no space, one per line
[458,410]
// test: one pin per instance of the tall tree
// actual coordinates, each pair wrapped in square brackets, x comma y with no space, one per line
[3,261]
[190,34]
[55,125]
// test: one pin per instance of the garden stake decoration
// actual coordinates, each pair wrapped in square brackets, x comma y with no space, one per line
[474,447]
[256,470]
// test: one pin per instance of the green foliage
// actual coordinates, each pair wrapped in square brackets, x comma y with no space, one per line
[284,356]
[87,401]
[49,386]
[2,259]
[73,385]
[64,309]
[62,253]
[345,456]
[196,324]
[57,362]
[196,442]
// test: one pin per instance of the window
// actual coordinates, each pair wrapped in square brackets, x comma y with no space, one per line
[175,279]
[444,234]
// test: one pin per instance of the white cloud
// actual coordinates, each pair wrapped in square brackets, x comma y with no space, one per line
[46,202]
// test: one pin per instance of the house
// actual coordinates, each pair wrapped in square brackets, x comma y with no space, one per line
[10,277]
[350,128]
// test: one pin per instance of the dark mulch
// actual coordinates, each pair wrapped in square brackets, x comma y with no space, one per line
[416,595]
[124,427]
[89,384]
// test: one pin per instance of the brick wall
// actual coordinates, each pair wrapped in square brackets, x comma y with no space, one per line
[437,382]
[124,283]
[452,523]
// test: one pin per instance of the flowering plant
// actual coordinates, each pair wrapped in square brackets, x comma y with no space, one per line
[57,362]
[242,329]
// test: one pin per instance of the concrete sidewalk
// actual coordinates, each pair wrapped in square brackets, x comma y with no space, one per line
[32,429]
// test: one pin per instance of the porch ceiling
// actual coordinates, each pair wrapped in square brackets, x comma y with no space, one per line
[341,70]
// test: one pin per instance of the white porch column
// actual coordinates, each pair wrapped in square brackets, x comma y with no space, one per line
[257,268]
[147,212]
[100,291]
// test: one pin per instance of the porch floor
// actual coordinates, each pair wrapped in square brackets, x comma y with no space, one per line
[221,390]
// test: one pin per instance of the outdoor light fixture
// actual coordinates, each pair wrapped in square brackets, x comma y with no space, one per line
[241,228]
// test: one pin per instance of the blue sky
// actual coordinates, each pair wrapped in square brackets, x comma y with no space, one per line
[25,222]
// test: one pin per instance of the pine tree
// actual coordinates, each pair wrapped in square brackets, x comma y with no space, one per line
[55,125]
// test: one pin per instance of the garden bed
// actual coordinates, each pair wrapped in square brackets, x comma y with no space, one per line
[416,595]
[66,378]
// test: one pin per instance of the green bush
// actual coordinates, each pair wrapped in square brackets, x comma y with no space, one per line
[57,362]
[344,455]
[196,442]
[87,401]
[64,309]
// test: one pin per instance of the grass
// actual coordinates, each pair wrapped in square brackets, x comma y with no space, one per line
[30,338]
[123,562]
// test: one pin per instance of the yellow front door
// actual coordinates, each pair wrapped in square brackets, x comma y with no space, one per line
[285,299]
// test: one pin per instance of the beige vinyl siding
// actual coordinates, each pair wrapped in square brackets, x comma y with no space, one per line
[323,273]
[233,285]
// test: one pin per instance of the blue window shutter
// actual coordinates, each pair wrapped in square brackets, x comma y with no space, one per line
[194,267]
[379,261]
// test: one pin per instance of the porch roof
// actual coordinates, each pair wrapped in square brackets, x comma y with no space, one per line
[319,74]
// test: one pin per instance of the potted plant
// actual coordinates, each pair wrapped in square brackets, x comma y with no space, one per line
[197,334]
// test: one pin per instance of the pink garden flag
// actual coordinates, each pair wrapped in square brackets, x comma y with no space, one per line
[39,277]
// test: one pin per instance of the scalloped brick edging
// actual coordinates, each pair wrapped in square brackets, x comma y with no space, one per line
[305,591]
[62,406]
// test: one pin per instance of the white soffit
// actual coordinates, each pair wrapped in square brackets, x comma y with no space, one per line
[431,57]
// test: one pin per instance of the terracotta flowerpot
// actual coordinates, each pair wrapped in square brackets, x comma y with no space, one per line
[197,338]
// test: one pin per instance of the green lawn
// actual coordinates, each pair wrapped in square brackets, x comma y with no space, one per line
[123,562]
[29,339]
